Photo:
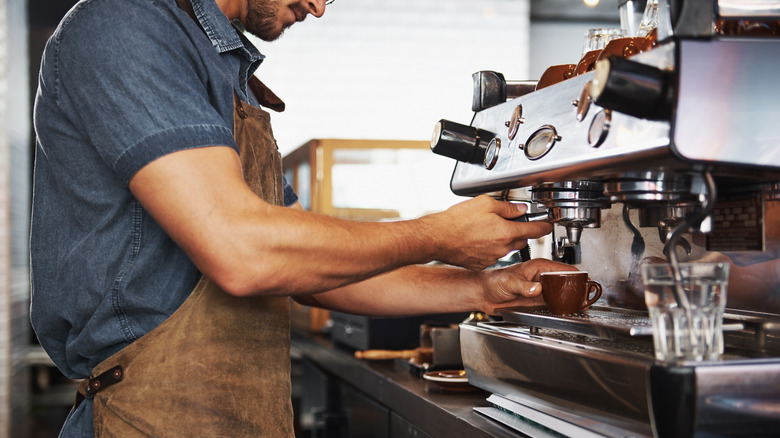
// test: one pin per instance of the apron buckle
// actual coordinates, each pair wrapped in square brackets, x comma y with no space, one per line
[91,386]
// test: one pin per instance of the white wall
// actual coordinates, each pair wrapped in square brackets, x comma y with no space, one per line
[390,69]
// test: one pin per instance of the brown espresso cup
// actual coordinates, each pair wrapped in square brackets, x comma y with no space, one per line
[568,292]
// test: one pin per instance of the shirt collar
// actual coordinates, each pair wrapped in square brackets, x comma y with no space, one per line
[221,32]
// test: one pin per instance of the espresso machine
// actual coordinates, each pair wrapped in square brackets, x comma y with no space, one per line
[662,145]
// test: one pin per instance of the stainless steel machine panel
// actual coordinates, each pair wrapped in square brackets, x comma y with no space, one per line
[570,157]
[615,388]
[726,119]
[727,104]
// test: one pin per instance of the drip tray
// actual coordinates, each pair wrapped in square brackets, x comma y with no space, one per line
[600,322]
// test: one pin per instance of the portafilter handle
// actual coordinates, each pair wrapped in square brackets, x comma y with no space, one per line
[543,216]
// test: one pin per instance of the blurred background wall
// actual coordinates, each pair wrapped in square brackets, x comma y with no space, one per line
[15,132]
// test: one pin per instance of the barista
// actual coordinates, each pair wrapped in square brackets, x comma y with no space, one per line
[165,243]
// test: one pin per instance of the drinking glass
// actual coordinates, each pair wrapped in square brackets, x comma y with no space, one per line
[649,18]
[596,39]
[687,313]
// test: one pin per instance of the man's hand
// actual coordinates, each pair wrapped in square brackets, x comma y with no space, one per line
[517,285]
[476,233]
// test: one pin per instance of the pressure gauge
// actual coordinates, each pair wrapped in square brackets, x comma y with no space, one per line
[541,141]
[491,153]
[599,128]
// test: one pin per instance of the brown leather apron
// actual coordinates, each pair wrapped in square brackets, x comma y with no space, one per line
[220,365]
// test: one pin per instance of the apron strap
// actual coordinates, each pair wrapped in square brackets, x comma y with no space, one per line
[265,96]
[91,386]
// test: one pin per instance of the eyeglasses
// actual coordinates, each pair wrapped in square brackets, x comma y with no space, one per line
[329,2]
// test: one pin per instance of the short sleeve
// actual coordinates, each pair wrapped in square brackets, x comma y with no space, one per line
[134,87]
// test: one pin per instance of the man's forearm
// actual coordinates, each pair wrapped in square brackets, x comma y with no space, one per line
[415,290]
[411,290]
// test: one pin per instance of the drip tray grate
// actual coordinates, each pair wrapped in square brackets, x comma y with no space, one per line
[600,322]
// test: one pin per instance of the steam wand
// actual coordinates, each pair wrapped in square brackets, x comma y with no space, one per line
[637,243]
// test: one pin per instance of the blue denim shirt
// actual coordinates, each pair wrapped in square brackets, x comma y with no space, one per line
[122,82]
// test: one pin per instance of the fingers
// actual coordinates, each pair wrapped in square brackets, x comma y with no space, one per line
[509,287]
[521,230]
[518,285]
[533,268]
[533,230]
[477,232]
[503,285]
[507,210]
[524,288]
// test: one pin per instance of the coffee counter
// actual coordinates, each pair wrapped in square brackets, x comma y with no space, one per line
[335,394]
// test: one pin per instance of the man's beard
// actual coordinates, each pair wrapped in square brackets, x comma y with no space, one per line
[262,20]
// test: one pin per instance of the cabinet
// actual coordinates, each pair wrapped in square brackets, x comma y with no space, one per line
[370,179]
[350,398]
[335,409]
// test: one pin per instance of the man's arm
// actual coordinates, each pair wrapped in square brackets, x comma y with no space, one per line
[247,246]
[414,290]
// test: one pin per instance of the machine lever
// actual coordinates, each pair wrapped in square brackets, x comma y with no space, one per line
[542,216]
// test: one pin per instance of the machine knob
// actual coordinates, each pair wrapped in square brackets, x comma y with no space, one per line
[632,88]
[491,89]
[460,142]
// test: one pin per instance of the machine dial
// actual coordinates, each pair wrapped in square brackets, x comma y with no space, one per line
[514,123]
[599,128]
[583,103]
[460,142]
[541,141]
[491,154]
